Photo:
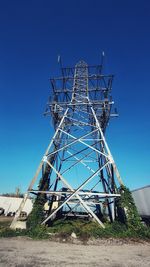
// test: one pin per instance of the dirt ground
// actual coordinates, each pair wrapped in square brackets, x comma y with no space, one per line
[21,252]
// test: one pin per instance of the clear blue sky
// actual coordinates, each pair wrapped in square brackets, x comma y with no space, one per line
[32,34]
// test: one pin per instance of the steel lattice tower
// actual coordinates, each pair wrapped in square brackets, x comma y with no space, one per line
[80,106]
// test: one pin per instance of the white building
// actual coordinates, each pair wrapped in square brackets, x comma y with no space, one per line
[11,204]
[141,198]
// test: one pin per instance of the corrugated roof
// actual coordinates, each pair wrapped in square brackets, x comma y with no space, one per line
[146,186]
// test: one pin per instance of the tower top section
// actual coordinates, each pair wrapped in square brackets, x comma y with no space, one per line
[79,87]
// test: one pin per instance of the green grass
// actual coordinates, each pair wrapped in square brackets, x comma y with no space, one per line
[4,224]
[83,229]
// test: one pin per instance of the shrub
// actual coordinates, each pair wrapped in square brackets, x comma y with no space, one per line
[7,232]
[37,214]
[39,232]
[127,211]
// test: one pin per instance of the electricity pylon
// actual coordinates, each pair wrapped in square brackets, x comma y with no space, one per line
[78,164]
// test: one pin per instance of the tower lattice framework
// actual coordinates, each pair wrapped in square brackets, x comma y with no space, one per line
[78,166]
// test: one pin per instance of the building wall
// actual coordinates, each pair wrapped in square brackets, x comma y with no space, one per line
[142,200]
[11,204]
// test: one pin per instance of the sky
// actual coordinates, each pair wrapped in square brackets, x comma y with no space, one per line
[32,34]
